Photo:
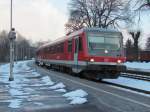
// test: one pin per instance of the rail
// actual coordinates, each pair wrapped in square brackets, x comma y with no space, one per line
[141,75]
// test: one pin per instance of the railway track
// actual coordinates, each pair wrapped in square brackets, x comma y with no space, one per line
[127,87]
[141,75]
[136,76]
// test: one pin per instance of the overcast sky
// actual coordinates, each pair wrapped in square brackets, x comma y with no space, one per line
[44,19]
[35,19]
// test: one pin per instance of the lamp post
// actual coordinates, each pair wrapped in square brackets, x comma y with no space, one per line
[12,37]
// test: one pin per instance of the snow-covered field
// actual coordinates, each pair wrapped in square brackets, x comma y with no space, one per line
[135,83]
[138,65]
[21,88]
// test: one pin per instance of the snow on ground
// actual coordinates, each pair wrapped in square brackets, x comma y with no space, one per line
[135,83]
[23,85]
[77,96]
[15,103]
[138,65]
[58,86]
[47,80]
[39,104]
[35,74]
[61,90]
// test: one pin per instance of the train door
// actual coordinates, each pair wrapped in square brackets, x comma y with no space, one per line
[76,54]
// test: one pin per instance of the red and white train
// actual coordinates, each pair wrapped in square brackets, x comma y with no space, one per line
[96,52]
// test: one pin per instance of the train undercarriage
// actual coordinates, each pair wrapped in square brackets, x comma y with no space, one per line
[96,72]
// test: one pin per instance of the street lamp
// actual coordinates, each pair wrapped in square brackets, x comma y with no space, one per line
[12,37]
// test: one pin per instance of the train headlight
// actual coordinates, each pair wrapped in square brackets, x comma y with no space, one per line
[119,61]
[106,51]
[91,60]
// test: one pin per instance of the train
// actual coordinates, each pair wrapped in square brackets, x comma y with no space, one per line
[143,56]
[92,52]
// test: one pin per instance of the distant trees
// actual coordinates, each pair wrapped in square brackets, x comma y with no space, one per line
[132,48]
[148,44]
[129,47]
[96,13]
[23,48]
[135,37]
[4,46]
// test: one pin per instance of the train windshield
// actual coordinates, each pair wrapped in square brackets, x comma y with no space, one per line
[103,41]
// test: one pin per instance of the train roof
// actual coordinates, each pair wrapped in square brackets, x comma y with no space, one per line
[78,32]
[94,29]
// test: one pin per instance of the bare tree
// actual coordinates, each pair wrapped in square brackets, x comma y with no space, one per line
[96,13]
[129,48]
[4,46]
[129,44]
[135,37]
[148,44]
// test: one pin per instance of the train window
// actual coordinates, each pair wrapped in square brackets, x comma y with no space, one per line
[80,44]
[70,46]
[57,49]
[62,47]
[47,50]
[76,45]
[52,50]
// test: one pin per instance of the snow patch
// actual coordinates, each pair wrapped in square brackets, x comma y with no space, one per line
[47,80]
[135,83]
[16,92]
[39,104]
[77,96]
[78,100]
[35,74]
[76,93]
[61,90]
[20,89]
[58,86]
[15,103]
[138,65]
[28,90]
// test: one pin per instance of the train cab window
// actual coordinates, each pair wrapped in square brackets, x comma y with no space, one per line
[70,46]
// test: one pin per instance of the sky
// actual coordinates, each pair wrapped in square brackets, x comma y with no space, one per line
[42,20]
[38,20]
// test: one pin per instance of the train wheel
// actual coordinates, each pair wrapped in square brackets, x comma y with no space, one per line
[91,76]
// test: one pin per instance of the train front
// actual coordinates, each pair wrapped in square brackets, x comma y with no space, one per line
[105,53]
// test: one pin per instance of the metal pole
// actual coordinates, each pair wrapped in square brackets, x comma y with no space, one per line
[29,53]
[16,52]
[11,78]
[11,6]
